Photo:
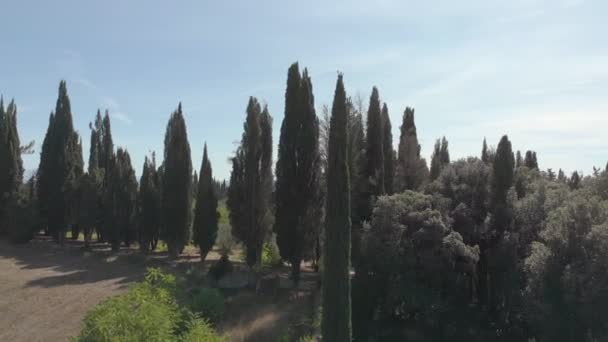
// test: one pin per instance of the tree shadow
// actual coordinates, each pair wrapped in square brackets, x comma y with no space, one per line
[71,264]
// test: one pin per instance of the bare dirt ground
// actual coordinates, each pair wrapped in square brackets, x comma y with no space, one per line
[47,290]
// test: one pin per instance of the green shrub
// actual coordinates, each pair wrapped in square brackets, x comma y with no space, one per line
[199,330]
[144,313]
[209,303]
[148,312]
[221,267]
[270,253]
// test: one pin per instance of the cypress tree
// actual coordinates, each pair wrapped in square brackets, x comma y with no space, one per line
[411,168]
[374,171]
[561,176]
[149,205]
[106,162]
[445,152]
[11,165]
[298,172]
[518,160]
[336,315]
[206,215]
[485,156]
[251,183]
[530,160]
[177,178]
[358,182]
[440,158]
[45,175]
[92,191]
[60,168]
[436,161]
[574,181]
[503,167]
[122,188]
[388,151]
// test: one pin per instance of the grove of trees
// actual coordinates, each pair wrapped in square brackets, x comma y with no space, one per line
[483,248]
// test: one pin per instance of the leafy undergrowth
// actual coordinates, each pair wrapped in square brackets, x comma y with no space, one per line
[150,311]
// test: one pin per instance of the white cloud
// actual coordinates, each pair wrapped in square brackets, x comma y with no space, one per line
[121,116]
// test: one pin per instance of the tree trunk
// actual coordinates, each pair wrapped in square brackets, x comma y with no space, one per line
[295,271]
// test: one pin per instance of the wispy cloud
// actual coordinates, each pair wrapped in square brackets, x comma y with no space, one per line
[107,102]
[121,116]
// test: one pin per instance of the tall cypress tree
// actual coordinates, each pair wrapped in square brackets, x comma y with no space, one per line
[122,201]
[485,154]
[336,317]
[503,172]
[11,165]
[388,151]
[149,205]
[298,172]
[45,175]
[106,162]
[60,167]
[251,183]
[359,198]
[206,215]
[411,168]
[177,178]
[435,161]
[440,158]
[530,160]
[518,159]
[374,171]
[445,152]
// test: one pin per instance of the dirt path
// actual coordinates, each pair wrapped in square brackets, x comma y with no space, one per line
[45,291]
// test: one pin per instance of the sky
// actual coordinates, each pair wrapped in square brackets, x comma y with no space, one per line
[533,69]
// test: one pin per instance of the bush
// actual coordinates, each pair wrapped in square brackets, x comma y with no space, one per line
[221,267]
[199,330]
[144,313]
[209,303]
[147,312]
[270,253]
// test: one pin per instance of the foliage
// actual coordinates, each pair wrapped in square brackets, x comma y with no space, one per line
[206,215]
[251,183]
[388,151]
[336,320]
[176,185]
[440,158]
[270,253]
[412,171]
[11,165]
[149,205]
[121,192]
[567,271]
[209,303]
[149,311]
[61,166]
[420,254]
[199,330]
[22,223]
[297,173]
[374,170]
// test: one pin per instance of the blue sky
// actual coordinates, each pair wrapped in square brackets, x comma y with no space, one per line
[535,70]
